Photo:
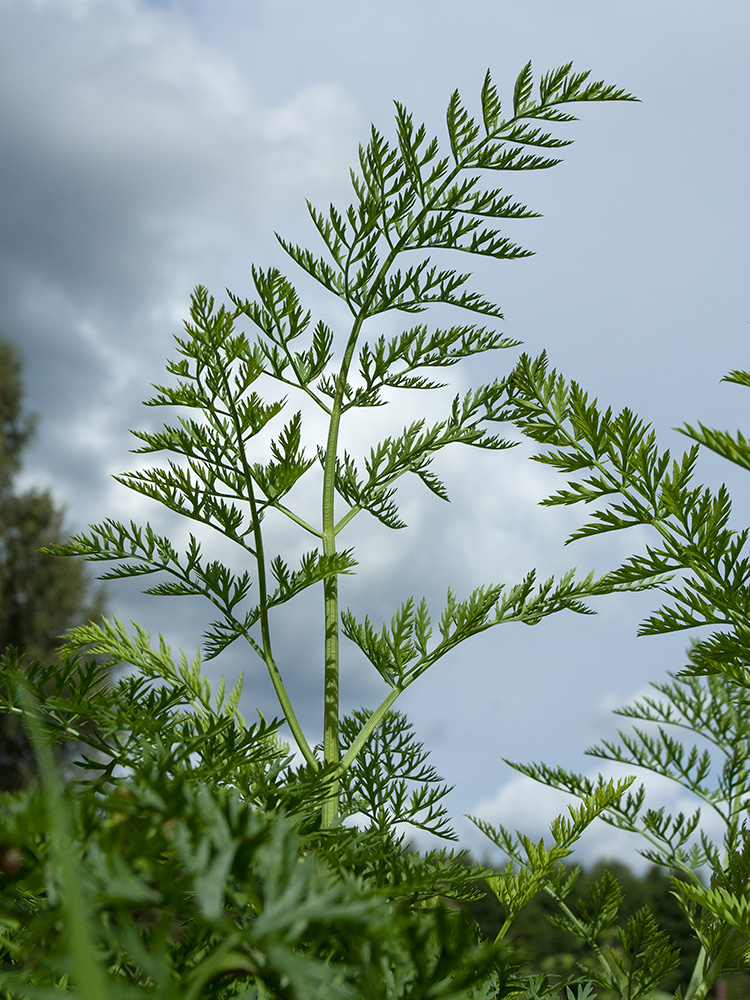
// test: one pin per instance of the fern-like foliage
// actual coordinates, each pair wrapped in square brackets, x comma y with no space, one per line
[701,562]
[413,198]
[167,880]
[613,460]
[390,784]
[717,710]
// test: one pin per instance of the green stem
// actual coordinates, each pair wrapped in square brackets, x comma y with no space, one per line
[704,978]
[369,727]
[296,518]
[288,710]
[273,670]
[331,682]
[696,980]
[331,698]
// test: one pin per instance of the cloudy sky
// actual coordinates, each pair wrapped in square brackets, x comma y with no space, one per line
[146,147]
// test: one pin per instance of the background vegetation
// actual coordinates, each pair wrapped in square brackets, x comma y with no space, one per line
[40,596]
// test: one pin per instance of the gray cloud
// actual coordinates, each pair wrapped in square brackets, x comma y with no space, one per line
[131,150]
[147,147]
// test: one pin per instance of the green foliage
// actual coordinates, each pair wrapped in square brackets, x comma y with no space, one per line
[701,564]
[533,866]
[194,856]
[191,866]
[409,198]
[637,484]
[631,960]
[39,596]
[542,937]
[390,781]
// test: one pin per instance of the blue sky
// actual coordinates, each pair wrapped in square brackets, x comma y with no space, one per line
[149,147]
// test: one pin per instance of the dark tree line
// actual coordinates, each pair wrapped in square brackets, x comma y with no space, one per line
[40,595]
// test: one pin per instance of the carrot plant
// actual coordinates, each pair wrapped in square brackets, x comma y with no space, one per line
[411,200]
[191,855]
[701,563]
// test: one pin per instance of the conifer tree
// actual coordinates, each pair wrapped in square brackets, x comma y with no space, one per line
[40,596]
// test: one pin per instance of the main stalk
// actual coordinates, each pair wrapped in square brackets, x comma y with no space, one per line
[331,683]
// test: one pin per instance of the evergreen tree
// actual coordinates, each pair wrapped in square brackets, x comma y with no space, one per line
[40,596]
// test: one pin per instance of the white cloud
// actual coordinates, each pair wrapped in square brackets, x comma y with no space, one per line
[137,162]
[528,806]
[136,132]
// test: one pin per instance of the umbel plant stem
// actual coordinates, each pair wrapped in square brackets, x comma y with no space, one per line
[411,199]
